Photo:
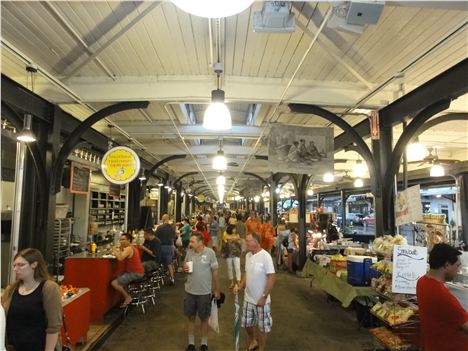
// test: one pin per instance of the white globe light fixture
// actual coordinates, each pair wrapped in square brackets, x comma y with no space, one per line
[358,183]
[328,177]
[257,198]
[359,169]
[213,8]
[310,192]
[437,170]
[416,151]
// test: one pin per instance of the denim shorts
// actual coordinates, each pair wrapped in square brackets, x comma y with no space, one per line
[166,255]
[200,304]
[129,277]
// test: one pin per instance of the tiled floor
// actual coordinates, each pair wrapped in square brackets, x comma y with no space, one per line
[303,320]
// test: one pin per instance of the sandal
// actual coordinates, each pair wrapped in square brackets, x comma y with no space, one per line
[253,348]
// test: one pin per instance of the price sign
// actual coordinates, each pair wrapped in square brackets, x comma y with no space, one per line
[409,264]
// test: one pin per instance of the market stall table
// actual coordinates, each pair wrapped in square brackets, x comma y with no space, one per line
[76,311]
[96,273]
[336,287]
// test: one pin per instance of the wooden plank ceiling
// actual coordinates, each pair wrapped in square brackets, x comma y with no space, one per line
[93,54]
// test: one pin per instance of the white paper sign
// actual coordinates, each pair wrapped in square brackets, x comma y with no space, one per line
[408,207]
[409,264]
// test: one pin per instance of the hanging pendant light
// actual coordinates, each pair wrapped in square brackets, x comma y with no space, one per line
[219,161]
[26,135]
[217,115]
[359,169]
[213,8]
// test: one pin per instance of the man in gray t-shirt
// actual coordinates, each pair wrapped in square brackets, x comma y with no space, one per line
[198,288]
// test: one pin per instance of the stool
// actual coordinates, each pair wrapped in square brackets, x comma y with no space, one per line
[137,290]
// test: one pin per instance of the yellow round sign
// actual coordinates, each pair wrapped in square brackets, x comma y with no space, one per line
[120,165]
[201,198]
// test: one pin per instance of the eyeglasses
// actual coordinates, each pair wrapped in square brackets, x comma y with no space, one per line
[19,265]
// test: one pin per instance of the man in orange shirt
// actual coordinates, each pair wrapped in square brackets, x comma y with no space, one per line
[268,235]
[444,321]
[252,224]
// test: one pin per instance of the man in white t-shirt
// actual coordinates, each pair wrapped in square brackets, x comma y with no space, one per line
[258,281]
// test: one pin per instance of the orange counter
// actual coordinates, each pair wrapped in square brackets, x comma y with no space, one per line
[76,311]
[95,273]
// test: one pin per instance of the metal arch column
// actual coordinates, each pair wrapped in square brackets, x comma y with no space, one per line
[74,137]
[258,177]
[408,133]
[183,176]
[158,164]
[178,203]
[301,181]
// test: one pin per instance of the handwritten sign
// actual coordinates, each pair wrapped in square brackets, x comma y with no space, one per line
[409,264]
[79,178]
[408,207]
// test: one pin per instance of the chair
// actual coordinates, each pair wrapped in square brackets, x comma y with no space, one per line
[137,290]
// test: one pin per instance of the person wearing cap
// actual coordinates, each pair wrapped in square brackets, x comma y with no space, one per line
[258,282]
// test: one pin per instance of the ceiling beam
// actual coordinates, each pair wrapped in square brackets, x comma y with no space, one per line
[238,89]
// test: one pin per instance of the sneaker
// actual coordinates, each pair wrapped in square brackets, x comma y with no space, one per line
[203,348]
[191,347]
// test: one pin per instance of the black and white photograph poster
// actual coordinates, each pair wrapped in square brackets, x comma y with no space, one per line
[301,150]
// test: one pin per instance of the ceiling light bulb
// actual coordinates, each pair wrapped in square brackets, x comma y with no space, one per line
[217,117]
[359,169]
[437,170]
[310,192]
[278,190]
[358,183]
[328,177]
[213,8]
[220,180]
[160,184]
[220,162]
[257,198]
[416,151]
[26,135]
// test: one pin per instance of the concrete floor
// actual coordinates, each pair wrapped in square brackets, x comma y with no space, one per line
[302,320]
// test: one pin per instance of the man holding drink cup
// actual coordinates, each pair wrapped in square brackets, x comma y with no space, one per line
[202,268]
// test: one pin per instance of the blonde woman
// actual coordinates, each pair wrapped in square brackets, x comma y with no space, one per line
[33,305]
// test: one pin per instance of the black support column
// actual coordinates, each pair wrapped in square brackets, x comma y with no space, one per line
[301,189]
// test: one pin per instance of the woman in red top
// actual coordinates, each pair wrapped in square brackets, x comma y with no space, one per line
[133,268]
[444,321]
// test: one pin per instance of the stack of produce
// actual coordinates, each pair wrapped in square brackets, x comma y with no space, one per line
[393,313]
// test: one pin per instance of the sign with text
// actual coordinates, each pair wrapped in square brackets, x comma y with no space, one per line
[79,178]
[374,125]
[408,207]
[409,264]
[120,165]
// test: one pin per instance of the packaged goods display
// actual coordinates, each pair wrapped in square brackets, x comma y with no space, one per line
[384,245]
[393,313]
[390,340]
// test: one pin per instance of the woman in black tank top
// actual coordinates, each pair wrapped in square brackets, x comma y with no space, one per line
[33,305]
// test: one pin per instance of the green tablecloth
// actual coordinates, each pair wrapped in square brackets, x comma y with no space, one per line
[329,282]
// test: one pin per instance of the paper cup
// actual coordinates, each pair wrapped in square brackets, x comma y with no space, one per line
[190,266]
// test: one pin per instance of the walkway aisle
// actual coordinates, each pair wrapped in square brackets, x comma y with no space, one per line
[302,320]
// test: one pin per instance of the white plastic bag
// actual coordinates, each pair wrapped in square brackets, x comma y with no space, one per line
[213,320]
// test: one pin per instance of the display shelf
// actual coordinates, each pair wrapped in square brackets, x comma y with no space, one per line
[391,340]
[107,209]
[412,321]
